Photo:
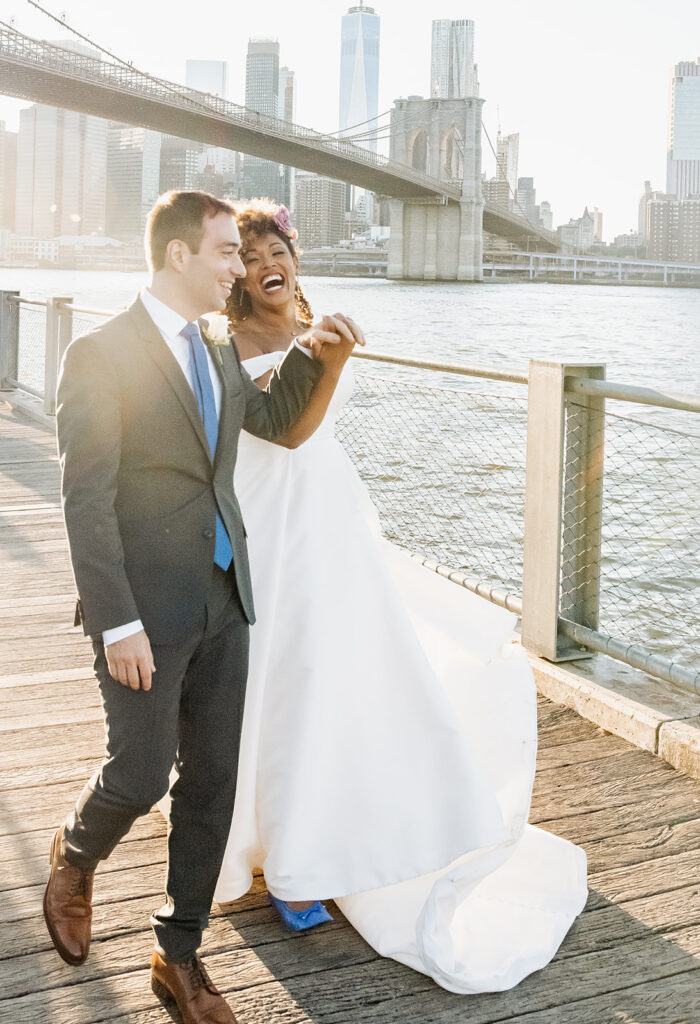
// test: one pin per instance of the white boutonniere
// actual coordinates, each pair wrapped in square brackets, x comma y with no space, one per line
[216,333]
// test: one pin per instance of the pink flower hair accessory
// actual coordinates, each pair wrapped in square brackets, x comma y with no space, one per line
[282,222]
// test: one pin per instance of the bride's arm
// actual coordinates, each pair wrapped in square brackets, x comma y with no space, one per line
[333,358]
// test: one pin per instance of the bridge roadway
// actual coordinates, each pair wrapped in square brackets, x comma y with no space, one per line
[633,955]
[44,73]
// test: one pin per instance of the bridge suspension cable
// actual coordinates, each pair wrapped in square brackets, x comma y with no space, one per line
[86,39]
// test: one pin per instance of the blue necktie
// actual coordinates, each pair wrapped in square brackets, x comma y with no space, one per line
[204,393]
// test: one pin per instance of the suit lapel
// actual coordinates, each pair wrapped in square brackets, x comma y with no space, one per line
[166,362]
[225,369]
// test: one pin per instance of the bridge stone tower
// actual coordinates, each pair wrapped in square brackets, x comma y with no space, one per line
[433,239]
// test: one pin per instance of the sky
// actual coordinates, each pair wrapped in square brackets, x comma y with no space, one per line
[586,86]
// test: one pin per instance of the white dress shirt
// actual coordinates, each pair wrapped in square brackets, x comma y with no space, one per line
[170,323]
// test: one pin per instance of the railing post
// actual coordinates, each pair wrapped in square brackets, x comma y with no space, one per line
[9,339]
[563,507]
[59,328]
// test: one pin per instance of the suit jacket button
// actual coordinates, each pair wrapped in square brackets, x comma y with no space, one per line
[208,534]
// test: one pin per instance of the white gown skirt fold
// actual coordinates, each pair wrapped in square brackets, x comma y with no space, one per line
[389,739]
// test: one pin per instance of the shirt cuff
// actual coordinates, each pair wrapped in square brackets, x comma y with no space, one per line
[110,636]
[302,348]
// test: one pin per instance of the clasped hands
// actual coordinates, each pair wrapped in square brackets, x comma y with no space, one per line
[332,339]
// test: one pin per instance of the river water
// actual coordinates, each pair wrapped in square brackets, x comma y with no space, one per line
[444,455]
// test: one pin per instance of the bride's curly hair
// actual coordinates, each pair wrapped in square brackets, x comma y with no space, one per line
[255,219]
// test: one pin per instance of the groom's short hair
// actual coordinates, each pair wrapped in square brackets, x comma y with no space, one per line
[181,215]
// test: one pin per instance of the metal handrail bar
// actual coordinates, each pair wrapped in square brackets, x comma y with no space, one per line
[17,300]
[632,393]
[593,259]
[85,309]
[24,387]
[496,595]
[574,385]
[424,364]
[631,654]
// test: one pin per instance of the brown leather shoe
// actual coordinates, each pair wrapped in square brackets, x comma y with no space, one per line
[189,986]
[68,906]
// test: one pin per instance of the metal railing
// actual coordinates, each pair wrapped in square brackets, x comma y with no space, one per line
[582,520]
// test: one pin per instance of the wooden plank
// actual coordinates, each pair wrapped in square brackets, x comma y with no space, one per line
[42,678]
[355,985]
[579,751]
[661,875]
[23,846]
[69,769]
[19,748]
[637,847]
[668,809]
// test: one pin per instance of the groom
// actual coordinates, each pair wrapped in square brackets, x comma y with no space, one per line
[148,419]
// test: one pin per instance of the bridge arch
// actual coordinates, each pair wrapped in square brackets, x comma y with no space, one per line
[452,155]
[419,151]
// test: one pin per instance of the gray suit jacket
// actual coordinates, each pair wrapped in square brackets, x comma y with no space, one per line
[140,491]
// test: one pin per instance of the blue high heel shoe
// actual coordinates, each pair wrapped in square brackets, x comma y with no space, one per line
[300,920]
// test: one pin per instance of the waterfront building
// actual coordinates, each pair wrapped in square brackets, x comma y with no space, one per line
[320,210]
[359,90]
[597,217]
[579,233]
[673,229]
[8,177]
[179,163]
[359,71]
[61,173]
[32,250]
[631,242]
[647,195]
[507,164]
[546,215]
[207,76]
[133,179]
[525,196]
[206,167]
[263,177]
[683,167]
[453,72]
[286,107]
[495,191]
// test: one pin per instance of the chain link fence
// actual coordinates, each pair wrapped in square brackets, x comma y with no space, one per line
[31,348]
[446,469]
[650,574]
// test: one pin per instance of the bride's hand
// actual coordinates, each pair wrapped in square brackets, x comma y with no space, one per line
[332,339]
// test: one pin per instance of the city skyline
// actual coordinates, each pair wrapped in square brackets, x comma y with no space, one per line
[585,139]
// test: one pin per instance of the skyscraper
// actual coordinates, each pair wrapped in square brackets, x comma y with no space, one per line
[286,106]
[320,210]
[133,179]
[683,168]
[453,72]
[8,177]
[262,74]
[64,195]
[507,158]
[207,76]
[359,70]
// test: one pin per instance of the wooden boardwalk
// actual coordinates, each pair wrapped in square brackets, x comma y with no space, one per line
[633,957]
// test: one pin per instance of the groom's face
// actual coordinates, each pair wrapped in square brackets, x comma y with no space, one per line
[211,272]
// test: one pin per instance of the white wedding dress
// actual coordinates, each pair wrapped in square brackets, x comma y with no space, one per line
[389,735]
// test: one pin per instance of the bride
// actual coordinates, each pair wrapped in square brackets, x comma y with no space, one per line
[389,735]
